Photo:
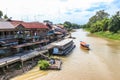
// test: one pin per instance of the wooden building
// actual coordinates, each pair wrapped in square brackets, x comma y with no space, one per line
[30,30]
[14,33]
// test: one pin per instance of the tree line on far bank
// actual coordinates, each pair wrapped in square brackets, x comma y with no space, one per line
[101,22]
[69,26]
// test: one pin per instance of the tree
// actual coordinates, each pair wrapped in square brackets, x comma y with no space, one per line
[101,22]
[92,20]
[5,16]
[98,22]
[96,27]
[75,26]
[114,24]
[1,14]
[67,24]
[105,23]
[100,15]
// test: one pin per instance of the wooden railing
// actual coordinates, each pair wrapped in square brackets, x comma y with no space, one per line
[7,37]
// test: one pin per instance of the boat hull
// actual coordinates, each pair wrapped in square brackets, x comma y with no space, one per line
[84,47]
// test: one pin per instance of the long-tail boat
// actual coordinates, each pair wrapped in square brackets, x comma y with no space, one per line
[84,45]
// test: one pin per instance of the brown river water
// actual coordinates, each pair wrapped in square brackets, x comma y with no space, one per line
[101,62]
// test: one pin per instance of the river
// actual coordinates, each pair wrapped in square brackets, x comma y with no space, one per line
[101,62]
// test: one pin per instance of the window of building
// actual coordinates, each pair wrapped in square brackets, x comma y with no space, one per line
[0,34]
[11,33]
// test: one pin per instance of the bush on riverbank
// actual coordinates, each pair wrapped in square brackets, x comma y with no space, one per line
[106,34]
[43,64]
[115,36]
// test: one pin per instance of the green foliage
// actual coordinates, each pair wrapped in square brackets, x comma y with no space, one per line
[85,26]
[43,64]
[96,27]
[1,14]
[75,26]
[105,23]
[103,26]
[101,22]
[100,15]
[18,66]
[114,24]
[107,34]
[100,25]
[5,16]
[69,26]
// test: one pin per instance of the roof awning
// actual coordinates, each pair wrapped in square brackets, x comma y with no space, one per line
[58,33]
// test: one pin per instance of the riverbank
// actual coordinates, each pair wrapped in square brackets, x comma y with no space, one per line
[17,68]
[107,34]
[114,36]
[99,63]
[12,72]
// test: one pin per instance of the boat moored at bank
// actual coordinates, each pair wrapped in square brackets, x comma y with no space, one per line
[63,47]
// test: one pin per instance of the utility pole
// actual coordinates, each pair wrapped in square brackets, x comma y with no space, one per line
[6,11]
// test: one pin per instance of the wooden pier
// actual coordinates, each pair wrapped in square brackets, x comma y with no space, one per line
[20,57]
[25,56]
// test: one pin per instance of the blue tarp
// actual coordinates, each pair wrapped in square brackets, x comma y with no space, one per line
[55,50]
[50,32]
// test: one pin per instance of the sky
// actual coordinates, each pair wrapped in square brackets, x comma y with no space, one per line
[57,11]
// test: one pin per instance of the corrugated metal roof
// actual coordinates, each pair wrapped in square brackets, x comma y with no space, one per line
[15,23]
[34,25]
[62,42]
[6,25]
[29,24]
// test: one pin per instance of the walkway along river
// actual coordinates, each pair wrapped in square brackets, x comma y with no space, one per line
[102,62]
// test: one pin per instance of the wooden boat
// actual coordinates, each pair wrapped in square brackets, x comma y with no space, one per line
[53,64]
[56,65]
[84,45]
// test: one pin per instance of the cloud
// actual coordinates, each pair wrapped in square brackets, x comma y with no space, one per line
[113,7]
[99,6]
[78,11]
[64,0]
[72,11]
[117,3]
[68,13]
